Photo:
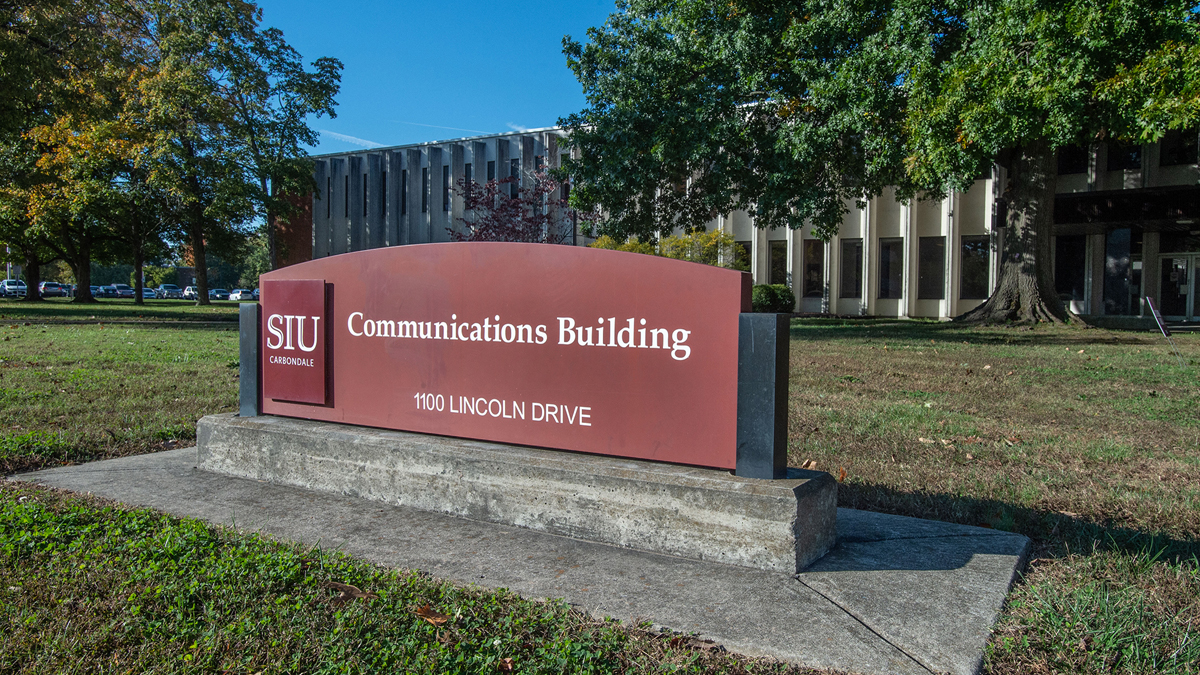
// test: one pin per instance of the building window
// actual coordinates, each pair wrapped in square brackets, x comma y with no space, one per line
[1122,157]
[1177,147]
[364,195]
[777,271]
[468,173]
[814,268]
[445,187]
[538,161]
[931,268]
[403,192]
[346,198]
[1123,271]
[891,268]
[1072,159]
[1070,267]
[491,170]
[425,190]
[852,268]
[383,192]
[514,172]
[975,267]
[741,250]
[328,197]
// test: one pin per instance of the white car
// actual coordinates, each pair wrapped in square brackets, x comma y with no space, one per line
[12,288]
[240,294]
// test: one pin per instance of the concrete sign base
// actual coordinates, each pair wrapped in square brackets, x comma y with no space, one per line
[704,514]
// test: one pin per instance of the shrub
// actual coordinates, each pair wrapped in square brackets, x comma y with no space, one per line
[774,298]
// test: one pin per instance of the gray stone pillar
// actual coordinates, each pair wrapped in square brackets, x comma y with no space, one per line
[357,219]
[395,186]
[375,231]
[321,210]
[339,226]
[248,370]
[762,406]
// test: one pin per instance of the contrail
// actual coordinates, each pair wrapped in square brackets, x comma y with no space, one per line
[351,139]
[438,126]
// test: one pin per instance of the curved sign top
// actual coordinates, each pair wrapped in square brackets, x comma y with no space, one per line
[556,346]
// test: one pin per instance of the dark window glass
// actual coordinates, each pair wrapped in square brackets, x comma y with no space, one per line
[514,171]
[814,268]
[1179,242]
[328,197]
[1070,266]
[425,190]
[383,192]
[931,268]
[403,192]
[1072,159]
[852,269]
[891,268]
[468,173]
[975,268]
[777,272]
[491,170]
[1123,271]
[1177,147]
[1122,157]
[742,251]
[364,194]
[346,198]
[445,187]
[537,163]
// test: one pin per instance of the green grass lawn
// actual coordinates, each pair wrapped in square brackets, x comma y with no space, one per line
[112,309]
[1087,441]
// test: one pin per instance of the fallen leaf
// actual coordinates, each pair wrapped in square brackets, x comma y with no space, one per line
[434,617]
[505,665]
[841,474]
[893,459]
[926,440]
[1079,352]
[945,441]
[809,465]
[988,367]
[970,456]
[346,593]
[1010,372]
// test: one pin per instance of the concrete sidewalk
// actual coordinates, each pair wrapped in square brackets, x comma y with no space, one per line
[897,595]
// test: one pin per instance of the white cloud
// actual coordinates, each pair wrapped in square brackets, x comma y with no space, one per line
[517,127]
[351,139]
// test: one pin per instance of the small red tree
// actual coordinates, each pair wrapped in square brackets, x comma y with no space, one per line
[534,216]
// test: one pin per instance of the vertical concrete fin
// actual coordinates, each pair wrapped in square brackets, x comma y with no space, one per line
[248,366]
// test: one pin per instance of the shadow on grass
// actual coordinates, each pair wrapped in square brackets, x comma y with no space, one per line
[64,309]
[809,330]
[1054,534]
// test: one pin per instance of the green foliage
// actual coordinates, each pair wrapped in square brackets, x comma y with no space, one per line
[773,298]
[793,110]
[716,248]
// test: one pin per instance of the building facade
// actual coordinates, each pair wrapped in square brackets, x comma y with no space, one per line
[1127,227]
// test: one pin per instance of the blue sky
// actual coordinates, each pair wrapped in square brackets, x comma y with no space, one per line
[425,71]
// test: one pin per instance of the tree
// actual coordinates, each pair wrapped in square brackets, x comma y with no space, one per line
[494,214]
[791,110]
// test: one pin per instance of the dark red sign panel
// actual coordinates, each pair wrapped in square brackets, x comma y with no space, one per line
[294,340]
[555,346]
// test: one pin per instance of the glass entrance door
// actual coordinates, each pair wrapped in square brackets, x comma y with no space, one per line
[1178,287]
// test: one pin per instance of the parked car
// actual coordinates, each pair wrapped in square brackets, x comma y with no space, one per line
[124,290]
[189,293]
[240,294]
[52,289]
[218,294]
[105,292]
[169,292]
[12,288]
[148,293]
[95,290]
[256,294]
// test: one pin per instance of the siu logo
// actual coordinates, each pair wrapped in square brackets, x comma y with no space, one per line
[294,341]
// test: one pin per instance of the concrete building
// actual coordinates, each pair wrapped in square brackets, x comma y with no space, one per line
[1127,227]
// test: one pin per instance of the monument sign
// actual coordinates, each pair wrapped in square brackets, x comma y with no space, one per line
[561,347]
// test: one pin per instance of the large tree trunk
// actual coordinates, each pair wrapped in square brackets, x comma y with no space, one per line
[33,278]
[81,267]
[1025,290]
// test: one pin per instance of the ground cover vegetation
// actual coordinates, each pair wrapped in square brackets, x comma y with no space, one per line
[793,109]
[1087,441]
[144,130]
[1084,440]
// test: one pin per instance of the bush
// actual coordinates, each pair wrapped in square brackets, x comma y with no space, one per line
[774,298]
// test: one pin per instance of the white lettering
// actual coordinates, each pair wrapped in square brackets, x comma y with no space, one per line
[274,330]
[566,334]
[350,324]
